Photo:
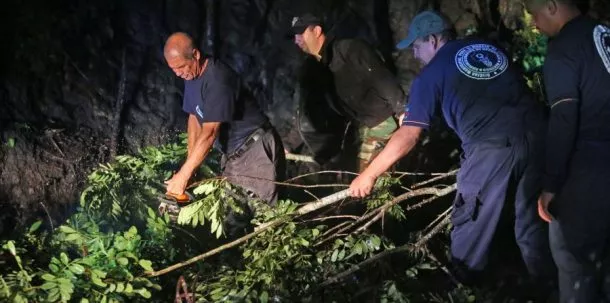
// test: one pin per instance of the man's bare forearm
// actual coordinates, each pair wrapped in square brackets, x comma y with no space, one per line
[201,146]
[401,143]
[192,128]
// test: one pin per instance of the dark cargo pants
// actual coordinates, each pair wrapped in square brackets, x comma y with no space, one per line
[580,231]
[256,170]
[492,172]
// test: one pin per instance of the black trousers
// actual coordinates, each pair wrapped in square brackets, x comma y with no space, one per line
[580,230]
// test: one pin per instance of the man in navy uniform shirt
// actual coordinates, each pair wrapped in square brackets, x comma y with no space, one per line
[486,102]
[577,173]
[220,111]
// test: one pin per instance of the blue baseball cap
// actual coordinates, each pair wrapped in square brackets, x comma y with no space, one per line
[424,24]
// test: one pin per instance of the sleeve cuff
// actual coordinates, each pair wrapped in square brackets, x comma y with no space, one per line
[552,184]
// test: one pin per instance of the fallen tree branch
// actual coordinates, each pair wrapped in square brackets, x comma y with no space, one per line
[310,207]
[407,247]
[378,212]
[424,191]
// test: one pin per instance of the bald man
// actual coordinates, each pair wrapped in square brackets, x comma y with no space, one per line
[222,113]
[577,174]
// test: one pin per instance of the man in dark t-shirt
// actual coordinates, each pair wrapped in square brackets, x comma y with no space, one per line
[577,170]
[486,102]
[221,113]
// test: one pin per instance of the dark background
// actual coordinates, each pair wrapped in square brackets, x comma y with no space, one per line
[82,81]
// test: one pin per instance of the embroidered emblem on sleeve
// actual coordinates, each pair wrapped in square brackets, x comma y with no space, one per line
[481,61]
[601,36]
[199,111]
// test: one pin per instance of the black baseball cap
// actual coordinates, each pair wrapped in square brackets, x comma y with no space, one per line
[300,23]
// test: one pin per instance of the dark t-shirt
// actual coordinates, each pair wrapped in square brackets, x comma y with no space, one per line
[368,91]
[577,82]
[480,94]
[217,96]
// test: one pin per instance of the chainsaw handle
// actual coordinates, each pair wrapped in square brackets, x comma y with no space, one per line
[179,198]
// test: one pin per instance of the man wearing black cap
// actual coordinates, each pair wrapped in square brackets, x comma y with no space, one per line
[369,93]
[484,100]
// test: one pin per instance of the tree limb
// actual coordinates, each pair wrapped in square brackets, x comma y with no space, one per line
[407,247]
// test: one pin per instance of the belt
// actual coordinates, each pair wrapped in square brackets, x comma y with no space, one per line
[252,138]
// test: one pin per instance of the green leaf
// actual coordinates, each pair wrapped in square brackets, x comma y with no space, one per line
[35,226]
[123,261]
[120,287]
[341,254]
[65,288]
[264,297]
[219,232]
[48,277]
[10,245]
[53,295]
[66,229]
[333,258]
[64,258]
[315,232]
[128,288]
[84,300]
[304,242]
[77,268]
[54,268]
[10,142]
[48,285]
[73,237]
[97,281]
[146,264]
[112,287]
[144,293]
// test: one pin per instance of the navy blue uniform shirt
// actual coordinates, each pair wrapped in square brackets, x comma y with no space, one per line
[474,85]
[217,96]
[577,82]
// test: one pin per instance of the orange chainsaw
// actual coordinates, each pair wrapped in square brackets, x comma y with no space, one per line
[170,202]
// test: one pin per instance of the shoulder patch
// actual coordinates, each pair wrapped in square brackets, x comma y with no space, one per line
[199,111]
[481,61]
[601,37]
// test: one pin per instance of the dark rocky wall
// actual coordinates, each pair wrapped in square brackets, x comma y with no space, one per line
[81,80]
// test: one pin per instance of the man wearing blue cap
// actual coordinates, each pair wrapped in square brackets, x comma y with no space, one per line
[368,92]
[486,102]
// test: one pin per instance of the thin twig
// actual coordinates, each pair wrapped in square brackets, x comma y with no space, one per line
[332,217]
[48,215]
[311,194]
[451,173]
[320,173]
[445,270]
[50,136]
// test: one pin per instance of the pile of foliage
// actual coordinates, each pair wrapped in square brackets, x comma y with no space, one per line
[115,245]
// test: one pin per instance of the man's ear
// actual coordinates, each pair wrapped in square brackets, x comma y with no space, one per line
[317,30]
[551,6]
[196,54]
